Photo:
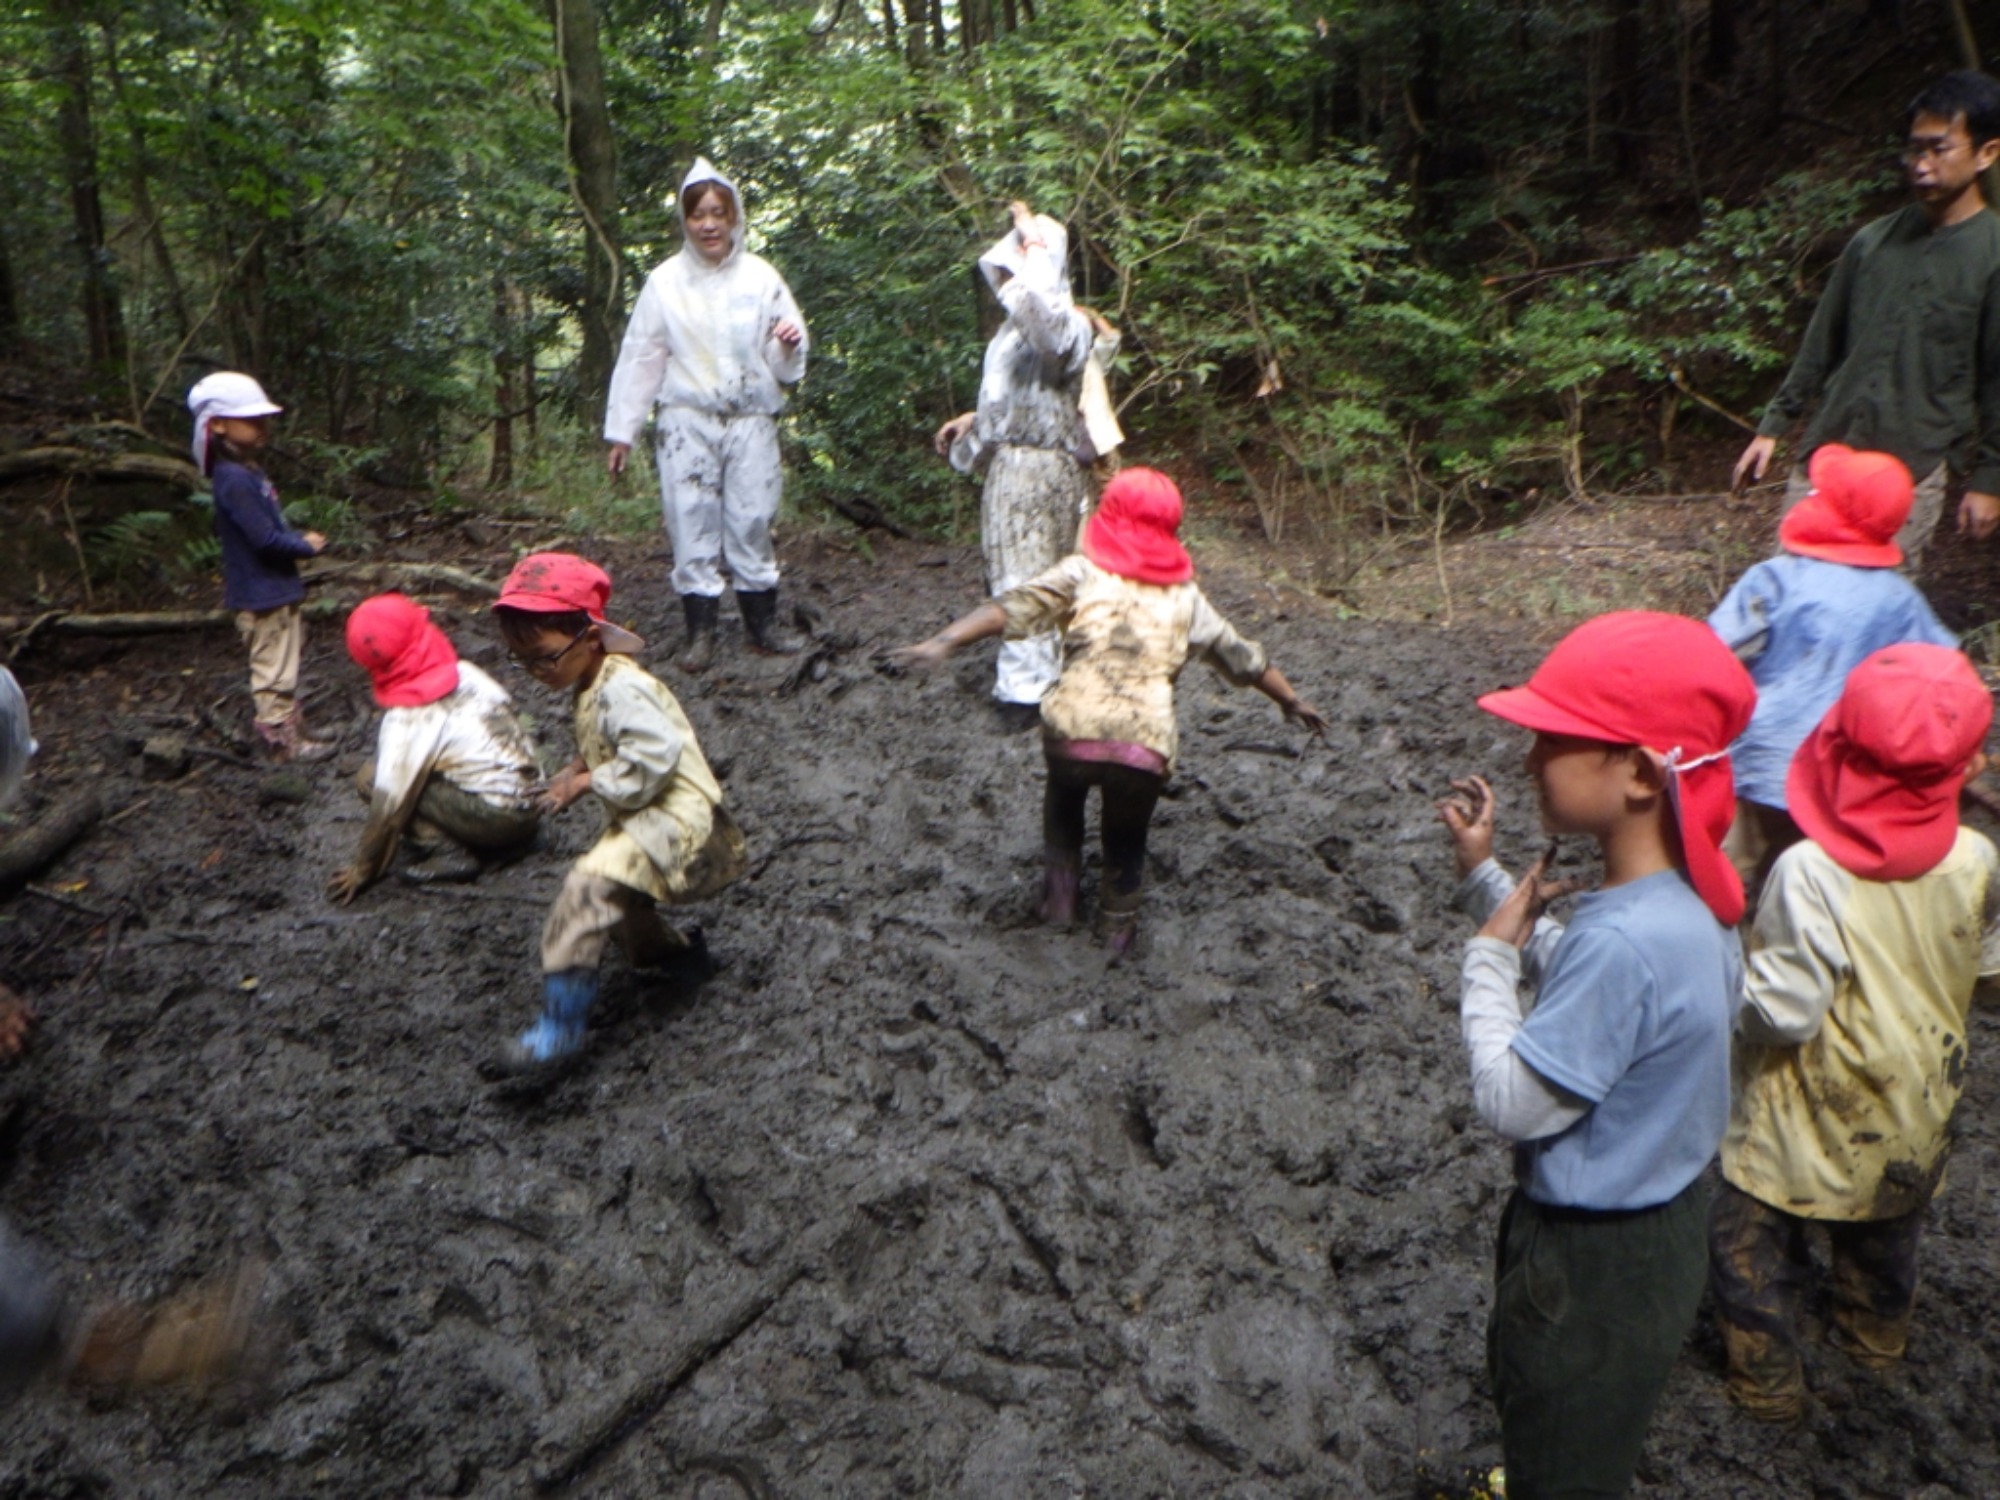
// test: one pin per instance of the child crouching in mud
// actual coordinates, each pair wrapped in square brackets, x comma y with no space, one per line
[1131,617]
[1614,1086]
[453,768]
[668,838]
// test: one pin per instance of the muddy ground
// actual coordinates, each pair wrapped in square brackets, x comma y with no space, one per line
[915,1197]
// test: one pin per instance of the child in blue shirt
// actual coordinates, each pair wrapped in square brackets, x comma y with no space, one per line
[1801,621]
[1614,1085]
[260,555]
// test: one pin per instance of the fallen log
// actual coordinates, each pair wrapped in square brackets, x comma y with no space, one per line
[147,622]
[95,465]
[27,853]
[434,575]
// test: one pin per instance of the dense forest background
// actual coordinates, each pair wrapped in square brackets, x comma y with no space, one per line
[1380,263]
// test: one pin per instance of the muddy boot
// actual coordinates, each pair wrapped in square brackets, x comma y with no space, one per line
[445,862]
[1118,921]
[567,997]
[700,611]
[760,623]
[288,742]
[1062,872]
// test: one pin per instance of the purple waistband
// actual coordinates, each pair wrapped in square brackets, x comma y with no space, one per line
[1117,752]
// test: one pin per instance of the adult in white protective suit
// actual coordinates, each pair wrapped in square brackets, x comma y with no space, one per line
[1023,434]
[713,340]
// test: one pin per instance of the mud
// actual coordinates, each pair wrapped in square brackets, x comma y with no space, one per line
[913,1198]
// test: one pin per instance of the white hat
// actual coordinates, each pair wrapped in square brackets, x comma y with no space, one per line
[226,393]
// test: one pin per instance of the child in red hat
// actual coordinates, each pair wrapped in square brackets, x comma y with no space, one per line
[1801,621]
[1615,1085]
[1851,1046]
[453,766]
[667,838]
[1131,617]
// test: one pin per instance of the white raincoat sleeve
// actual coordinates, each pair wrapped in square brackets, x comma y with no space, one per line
[1037,302]
[642,366]
[788,365]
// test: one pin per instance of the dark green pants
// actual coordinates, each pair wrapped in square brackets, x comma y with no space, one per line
[1589,1313]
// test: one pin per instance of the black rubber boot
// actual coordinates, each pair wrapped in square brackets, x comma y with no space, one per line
[760,623]
[701,611]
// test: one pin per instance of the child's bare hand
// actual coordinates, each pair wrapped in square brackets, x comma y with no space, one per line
[345,884]
[16,1017]
[317,541]
[788,333]
[1307,717]
[1513,921]
[951,432]
[562,789]
[925,656]
[1468,814]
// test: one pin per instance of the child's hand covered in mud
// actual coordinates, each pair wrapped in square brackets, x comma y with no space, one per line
[1302,713]
[925,656]
[1468,814]
[563,788]
[345,884]
[1514,919]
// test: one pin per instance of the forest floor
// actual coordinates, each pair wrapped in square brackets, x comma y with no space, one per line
[915,1196]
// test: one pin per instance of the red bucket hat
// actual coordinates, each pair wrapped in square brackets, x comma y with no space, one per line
[1666,682]
[1133,531]
[555,583]
[1876,785]
[1859,501]
[410,660]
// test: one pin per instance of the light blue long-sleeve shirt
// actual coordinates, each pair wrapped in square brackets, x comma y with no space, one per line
[1800,625]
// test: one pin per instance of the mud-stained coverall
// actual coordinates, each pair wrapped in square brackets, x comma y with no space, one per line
[669,837]
[1849,1063]
[699,344]
[1024,437]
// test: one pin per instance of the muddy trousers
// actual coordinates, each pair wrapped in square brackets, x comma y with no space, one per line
[591,910]
[275,638]
[1029,511]
[1127,797]
[1759,1266]
[1589,1313]
[1759,834]
[459,815]
[720,483]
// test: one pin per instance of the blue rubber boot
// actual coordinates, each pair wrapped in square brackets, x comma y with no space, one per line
[567,996]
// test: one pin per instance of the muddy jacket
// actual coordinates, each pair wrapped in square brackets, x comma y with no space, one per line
[260,553]
[700,334]
[17,745]
[471,737]
[1851,1048]
[1032,379]
[660,798]
[1124,643]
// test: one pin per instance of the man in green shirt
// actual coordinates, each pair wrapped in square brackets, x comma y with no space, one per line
[1903,352]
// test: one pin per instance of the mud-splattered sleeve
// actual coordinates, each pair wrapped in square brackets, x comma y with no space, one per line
[644,748]
[1043,603]
[788,366]
[406,746]
[642,365]
[1989,916]
[1797,957]
[1215,639]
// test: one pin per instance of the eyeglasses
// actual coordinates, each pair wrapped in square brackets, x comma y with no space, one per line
[548,659]
[1916,151]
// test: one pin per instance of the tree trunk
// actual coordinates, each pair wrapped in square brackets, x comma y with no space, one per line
[142,193]
[500,472]
[10,307]
[1722,37]
[593,180]
[103,320]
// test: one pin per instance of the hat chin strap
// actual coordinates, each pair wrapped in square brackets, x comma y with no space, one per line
[1673,762]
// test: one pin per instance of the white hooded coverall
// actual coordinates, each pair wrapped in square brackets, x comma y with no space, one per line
[1023,436]
[699,344]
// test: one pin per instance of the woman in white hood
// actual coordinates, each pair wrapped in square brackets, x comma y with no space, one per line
[713,340]
[1022,436]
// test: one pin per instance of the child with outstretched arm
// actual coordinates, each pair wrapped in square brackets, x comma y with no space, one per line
[1801,621]
[454,771]
[1614,1083]
[1130,617]
[1851,1047]
[260,555]
[668,837]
